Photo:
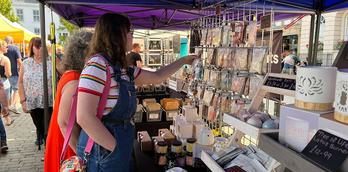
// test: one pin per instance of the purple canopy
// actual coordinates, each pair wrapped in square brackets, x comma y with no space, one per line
[177,14]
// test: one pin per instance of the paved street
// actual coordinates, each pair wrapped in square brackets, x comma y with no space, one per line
[23,154]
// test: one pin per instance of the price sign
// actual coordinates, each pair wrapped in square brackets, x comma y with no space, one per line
[172,114]
[326,150]
[154,116]
[274,84]
[284,83]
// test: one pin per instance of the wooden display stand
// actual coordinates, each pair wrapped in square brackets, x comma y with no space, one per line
[289,159]
[282,84]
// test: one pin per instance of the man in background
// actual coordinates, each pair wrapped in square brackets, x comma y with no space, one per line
[134,57]
[15,57]
[289,62]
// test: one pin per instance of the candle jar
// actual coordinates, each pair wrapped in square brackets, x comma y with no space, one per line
[190,144]
[189,151]
[315,88]
[341,104]
[176,147]
[161,152]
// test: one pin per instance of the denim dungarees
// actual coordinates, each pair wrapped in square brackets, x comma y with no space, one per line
[119,160]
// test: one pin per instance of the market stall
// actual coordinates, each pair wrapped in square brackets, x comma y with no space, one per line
[20,34]
[216,113]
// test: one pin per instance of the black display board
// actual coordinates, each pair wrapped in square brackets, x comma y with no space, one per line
[283,83]
[326,150]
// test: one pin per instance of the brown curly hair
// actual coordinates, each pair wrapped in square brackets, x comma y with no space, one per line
[76,50]
[110,38]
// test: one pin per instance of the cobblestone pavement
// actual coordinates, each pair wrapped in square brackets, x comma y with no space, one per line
[23,154]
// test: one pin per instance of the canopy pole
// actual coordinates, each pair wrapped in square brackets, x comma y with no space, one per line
[52,38]
[310,45]
[316,39]
[44,65]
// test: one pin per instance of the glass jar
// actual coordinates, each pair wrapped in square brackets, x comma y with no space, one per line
[161,152]
[189,151]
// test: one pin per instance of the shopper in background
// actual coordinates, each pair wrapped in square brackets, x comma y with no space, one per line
[114,133]
[15,57]
[31,90]
[5,73]
[134,56]
[4,110]
[289,62]
[72,65]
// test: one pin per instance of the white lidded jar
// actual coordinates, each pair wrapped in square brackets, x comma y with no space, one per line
[341,103]
[315,88]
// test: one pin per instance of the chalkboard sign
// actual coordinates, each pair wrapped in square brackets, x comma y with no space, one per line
[284,83]
[326,150]
[266,22]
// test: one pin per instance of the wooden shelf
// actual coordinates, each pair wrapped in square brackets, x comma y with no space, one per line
[210,163]
[246,128]
[287,157]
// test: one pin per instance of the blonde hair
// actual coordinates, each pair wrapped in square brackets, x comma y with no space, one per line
[3,43]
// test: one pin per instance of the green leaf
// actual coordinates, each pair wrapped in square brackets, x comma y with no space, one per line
[6,10]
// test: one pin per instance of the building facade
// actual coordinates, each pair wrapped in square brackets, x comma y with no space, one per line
[333,30]
[28,13]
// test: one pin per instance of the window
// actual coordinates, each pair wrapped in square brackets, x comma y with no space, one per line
[19,13]
[36,15]
[345,30]
[37,31]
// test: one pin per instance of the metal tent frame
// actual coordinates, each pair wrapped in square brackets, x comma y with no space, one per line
[177,14]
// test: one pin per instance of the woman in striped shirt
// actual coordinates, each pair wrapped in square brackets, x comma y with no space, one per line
[114,133]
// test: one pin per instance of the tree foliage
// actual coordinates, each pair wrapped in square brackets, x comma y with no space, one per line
[68,26]
[6,10]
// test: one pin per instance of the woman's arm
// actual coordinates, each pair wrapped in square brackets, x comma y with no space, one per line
[21,92]
[7,65]
[20,84]
[64,110]
[147,77]
[87,105]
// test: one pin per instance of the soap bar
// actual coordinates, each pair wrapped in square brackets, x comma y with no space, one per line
[145,141]
[139,108]
[190,113]
[166,135]
[147,101]
[170,104]
[197,126]
[185,130]
[153,107]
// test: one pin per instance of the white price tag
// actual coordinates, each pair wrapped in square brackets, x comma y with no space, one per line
[172,114]
[153,116]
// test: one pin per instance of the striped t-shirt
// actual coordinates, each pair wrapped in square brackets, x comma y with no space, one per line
[93,79]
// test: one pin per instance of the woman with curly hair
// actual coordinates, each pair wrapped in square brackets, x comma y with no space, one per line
[72,65]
